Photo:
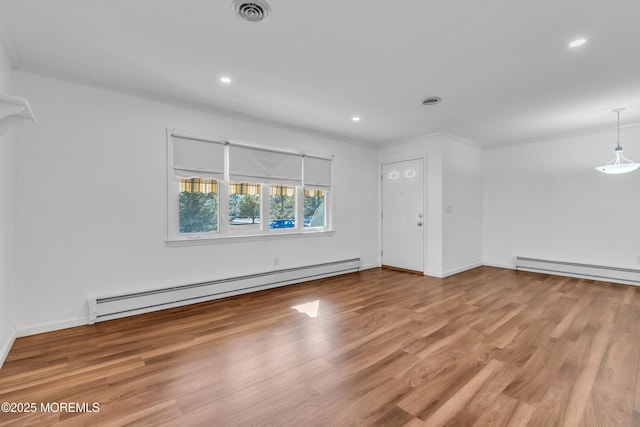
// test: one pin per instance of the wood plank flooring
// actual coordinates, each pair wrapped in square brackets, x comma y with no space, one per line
[488,347]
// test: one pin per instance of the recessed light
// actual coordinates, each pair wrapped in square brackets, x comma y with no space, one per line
[225,79]
[355,118]
[577,43]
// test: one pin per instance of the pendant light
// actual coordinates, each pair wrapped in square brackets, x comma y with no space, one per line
[619,164]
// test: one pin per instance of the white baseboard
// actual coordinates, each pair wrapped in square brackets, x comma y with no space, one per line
[451,272]
[498,265]
[4,351]
[41,328]
[369,267]
[436,274]
[461,269]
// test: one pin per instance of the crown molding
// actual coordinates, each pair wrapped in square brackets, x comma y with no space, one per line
[448,135]
[463,140]
[562,135]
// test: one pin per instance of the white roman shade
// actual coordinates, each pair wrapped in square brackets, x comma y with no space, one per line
[249,164]
[317,172]
[194,158]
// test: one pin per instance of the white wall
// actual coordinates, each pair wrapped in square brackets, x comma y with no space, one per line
[453,175]
[463,207]
[546,200]
[92,201]
[7,221]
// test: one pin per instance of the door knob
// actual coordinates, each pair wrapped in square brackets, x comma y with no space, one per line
[419,223]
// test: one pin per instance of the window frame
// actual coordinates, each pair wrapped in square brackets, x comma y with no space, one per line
[174,237]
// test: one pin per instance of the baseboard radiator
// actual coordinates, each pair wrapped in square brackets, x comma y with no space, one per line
[626,276]
[116,306]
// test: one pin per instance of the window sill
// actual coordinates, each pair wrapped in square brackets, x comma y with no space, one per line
[189,241]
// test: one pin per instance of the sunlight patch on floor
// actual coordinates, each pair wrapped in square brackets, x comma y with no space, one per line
[308,308]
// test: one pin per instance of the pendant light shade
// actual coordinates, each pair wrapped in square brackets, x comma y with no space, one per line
[619,164]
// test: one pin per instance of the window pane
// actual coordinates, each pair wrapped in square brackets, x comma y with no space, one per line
[244,206]
[198,205]
[282,207]
[314,208]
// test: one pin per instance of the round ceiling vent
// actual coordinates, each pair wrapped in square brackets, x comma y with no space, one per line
[252,11]
[432,100]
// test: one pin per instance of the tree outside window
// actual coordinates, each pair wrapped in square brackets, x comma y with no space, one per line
[249,207]
[244,206]
[198,205]
[282,206]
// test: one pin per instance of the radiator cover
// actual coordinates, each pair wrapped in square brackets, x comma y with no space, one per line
[116,306]
[626,276]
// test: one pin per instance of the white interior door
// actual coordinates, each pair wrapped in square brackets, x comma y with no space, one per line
[402,215]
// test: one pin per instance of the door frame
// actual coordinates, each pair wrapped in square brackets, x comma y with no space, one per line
[423,159]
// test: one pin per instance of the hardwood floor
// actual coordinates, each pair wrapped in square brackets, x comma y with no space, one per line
[488,347]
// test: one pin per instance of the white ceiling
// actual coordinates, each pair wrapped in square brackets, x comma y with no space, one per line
[503,67]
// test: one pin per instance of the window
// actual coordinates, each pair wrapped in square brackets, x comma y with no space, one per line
[198,205]
[218,189]
[244,207]
[282,207]
[317,181]
[314,208]
[196,168]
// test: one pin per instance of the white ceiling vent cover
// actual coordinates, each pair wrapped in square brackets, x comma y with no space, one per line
[252,11]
